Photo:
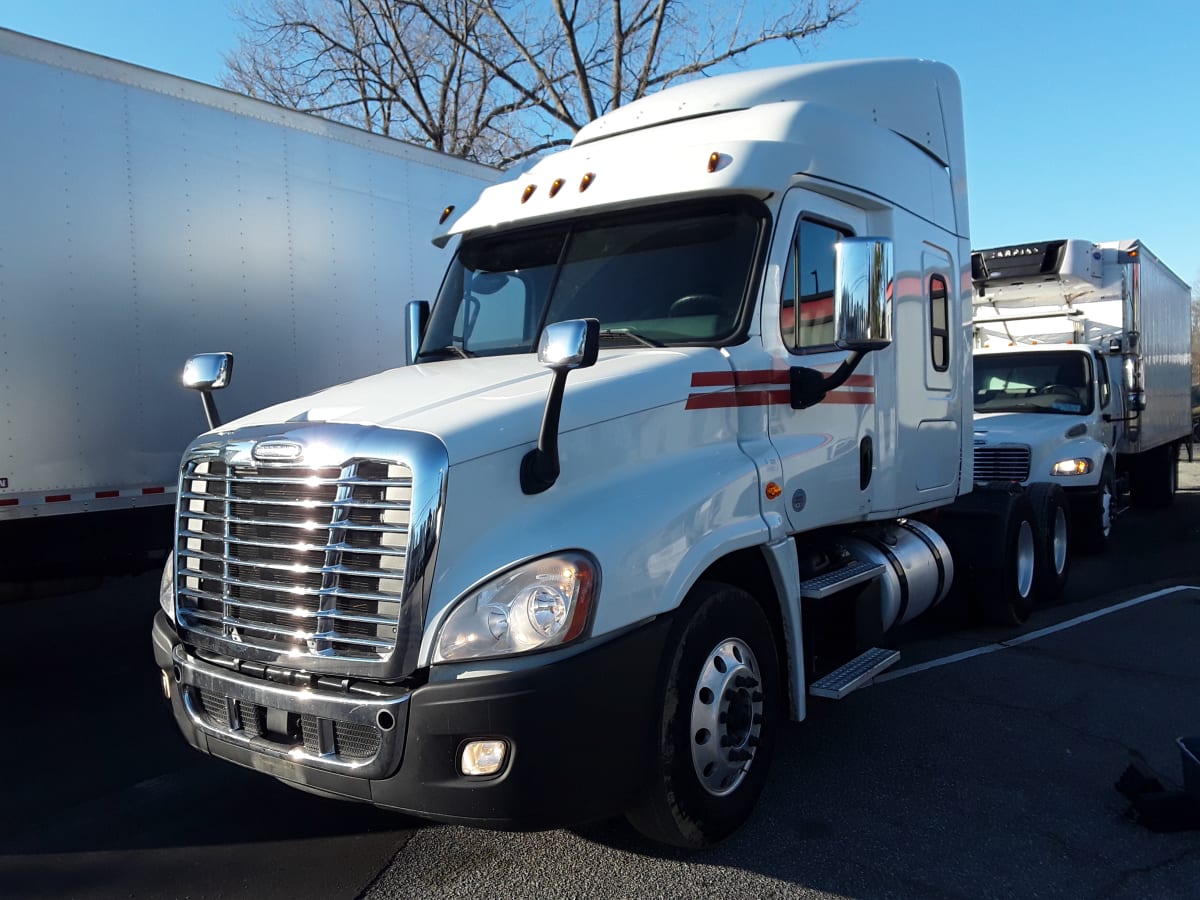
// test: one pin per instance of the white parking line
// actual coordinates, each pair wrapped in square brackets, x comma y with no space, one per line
[1031,636]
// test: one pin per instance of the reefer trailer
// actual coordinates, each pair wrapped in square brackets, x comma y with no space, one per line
[146,216]
[1082,373]
[686,434]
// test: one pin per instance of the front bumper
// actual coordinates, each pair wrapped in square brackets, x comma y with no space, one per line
[579,726]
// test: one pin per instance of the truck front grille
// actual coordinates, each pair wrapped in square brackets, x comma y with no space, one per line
[304,562]
[1001,463]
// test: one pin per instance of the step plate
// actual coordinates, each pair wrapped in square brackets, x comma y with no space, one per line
[857,673]
[854,572]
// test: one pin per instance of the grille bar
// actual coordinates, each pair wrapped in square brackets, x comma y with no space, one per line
[293,545]
[301,504]
[295,560]
[294,611]
[269,523]
[295,568]
[290,633]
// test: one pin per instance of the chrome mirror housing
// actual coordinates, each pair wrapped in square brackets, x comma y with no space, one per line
[862,294]
[574,344]
[208,371]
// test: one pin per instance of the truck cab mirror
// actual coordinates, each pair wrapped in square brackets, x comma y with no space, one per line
[208,372]
[574,344]
[1137,401]
[862,294]
[417,315]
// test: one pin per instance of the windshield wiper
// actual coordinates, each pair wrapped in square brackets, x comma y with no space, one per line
[443,352]
[630,334]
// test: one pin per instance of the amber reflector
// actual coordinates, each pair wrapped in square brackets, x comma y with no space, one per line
[773,490]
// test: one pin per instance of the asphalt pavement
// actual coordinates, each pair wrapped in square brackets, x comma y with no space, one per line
[991,775]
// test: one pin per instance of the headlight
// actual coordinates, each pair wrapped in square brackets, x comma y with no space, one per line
[166,588]
[1071,467]
[543,603]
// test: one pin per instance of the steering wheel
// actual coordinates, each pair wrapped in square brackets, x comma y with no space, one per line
[697,305]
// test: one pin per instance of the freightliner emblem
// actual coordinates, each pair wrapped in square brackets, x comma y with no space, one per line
[278,451]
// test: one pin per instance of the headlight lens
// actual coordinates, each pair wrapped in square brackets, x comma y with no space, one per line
[1071,467]
[540,604]
[166,588]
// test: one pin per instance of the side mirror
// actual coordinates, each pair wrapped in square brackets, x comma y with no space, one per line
[574,344]
[208,372]
[417,313]
[862,294]
[1137,401]
[564,346]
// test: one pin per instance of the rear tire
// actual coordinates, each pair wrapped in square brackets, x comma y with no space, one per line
[719,702]
[993,531]
[1052,518]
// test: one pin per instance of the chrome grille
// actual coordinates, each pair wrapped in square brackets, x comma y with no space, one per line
[300,561]
[1001,463]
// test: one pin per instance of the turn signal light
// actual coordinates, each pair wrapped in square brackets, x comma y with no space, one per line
[445,215]
[773,490]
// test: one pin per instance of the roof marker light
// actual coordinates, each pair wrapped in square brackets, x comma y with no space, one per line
[446,214]
[714,161]
[529,189]
[587,181]
[556,186]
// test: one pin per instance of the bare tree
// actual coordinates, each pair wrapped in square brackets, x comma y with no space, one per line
[496,80]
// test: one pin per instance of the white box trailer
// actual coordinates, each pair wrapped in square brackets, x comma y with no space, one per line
[1082,371]
[147,217]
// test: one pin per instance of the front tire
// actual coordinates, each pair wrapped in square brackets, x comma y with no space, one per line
[719,702]
[1100,513]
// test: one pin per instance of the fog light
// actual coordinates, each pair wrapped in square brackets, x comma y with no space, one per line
[166,684]
[483,757]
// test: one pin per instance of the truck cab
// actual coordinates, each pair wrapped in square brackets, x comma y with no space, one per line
[1043,415]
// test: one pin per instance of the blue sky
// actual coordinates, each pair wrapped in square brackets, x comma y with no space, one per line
[1082,116]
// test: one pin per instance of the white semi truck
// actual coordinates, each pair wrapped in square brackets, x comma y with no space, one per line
[688,429]
[1082,373]
[145,215]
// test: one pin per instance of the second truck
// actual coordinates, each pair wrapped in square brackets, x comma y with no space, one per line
[1082,374]
[687,430]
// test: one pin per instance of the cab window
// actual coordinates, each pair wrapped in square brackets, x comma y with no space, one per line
[806,308]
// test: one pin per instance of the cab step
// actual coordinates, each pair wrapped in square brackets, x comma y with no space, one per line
[854,572]
[859,672]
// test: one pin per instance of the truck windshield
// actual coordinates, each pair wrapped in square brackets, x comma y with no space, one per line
[1043,382]
[678,274]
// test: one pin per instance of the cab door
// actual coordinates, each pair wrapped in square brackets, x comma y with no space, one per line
[827,450]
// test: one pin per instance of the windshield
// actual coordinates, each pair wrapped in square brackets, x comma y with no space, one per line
[676,274]
[1050,382]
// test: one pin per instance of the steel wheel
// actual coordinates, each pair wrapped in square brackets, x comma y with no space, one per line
[727,708]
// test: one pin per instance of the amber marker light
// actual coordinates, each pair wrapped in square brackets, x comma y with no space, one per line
[529,189]
[714,160]
[586,182]
[556,186]
[445,215]
[773,490]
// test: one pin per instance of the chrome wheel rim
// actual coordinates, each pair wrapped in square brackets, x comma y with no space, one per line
[1026,556]
[726,720]
[1060,541]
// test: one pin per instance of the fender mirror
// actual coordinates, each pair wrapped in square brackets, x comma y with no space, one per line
[564,346]
[208,372]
